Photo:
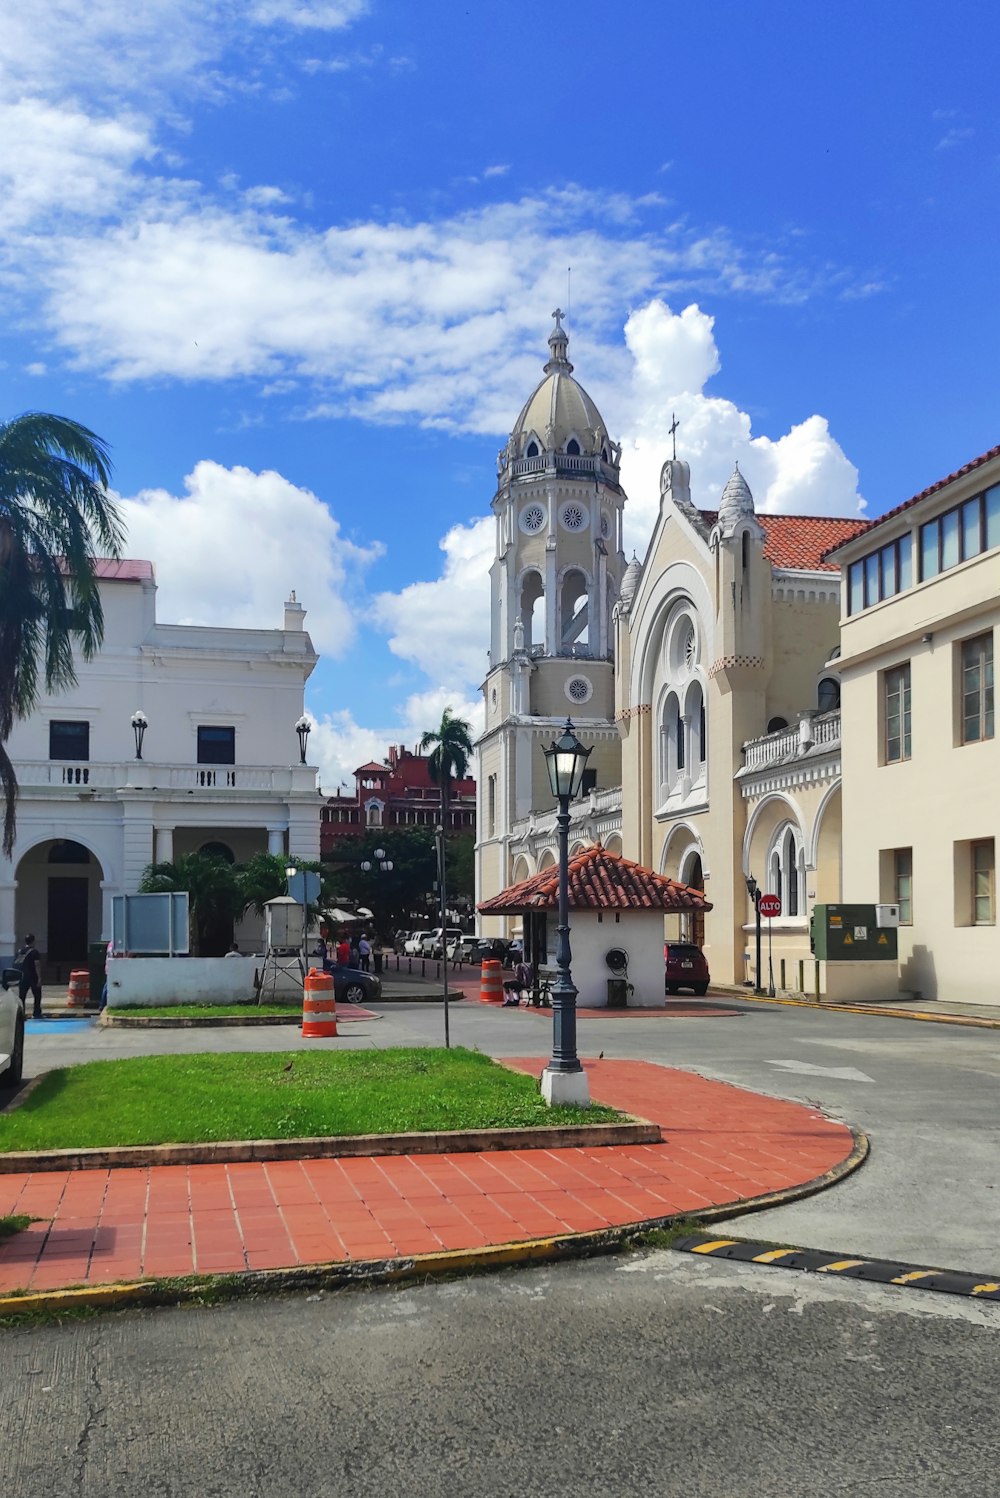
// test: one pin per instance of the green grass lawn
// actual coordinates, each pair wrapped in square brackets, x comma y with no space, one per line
[277,1095]
[208,1011]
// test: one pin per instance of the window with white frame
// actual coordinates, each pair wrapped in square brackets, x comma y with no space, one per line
[786,870]
[683,738]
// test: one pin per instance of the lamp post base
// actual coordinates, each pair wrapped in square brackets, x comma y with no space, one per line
[565,1088]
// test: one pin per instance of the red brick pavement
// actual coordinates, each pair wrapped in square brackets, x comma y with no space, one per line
[721,1144]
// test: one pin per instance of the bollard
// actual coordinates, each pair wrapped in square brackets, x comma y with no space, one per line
[319,1006]
[781,967]
[817,978]
[802,975]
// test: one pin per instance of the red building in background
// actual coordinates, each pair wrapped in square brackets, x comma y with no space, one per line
[399,793]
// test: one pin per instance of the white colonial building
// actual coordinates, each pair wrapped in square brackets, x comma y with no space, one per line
[219,767]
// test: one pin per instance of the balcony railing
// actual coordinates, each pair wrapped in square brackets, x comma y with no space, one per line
[821,734]
[148,775]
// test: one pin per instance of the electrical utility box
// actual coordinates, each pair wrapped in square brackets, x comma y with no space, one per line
[852,933]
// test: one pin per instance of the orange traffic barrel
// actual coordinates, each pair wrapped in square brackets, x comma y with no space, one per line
[78,993]
[319,1007]
[491,983]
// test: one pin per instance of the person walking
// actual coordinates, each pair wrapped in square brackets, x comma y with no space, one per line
[365,952]
[343,952]
[29,960]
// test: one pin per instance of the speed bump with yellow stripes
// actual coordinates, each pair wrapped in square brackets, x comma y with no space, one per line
[877,1271]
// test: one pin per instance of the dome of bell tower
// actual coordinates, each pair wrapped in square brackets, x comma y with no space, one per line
[559,416]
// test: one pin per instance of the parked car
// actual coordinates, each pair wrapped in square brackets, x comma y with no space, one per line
[686,967]
[433,942]
[350,986]
[413,946]
[464,949]
[11,1028]
[493,947]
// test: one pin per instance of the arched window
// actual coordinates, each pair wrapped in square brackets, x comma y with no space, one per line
[374,814]
[218,850]
[532,609]
[573,448]
[828,694]
[775,725]
[575,606]
[531,451]
[66,851]
[787,870]
[677,727]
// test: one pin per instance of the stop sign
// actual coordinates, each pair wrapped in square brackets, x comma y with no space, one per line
[770,905]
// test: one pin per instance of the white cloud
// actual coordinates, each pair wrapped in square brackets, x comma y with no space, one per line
[265,197]
[443,626]
[674,356]
[338,744]
[955,137]
[500,170]
[233,546]
[61,160]
[309,15]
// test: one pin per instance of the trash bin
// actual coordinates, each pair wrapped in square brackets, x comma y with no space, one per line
[617,993]
[97,954]
[377,961]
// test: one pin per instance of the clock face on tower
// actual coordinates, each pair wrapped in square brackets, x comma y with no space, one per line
[532,519]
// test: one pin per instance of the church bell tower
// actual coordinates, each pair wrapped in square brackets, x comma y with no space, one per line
[555,579]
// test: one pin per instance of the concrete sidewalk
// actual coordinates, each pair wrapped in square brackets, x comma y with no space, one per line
[722,1146]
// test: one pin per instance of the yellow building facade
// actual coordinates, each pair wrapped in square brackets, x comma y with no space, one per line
[921,605]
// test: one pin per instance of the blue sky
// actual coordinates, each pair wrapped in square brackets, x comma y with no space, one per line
[295,260]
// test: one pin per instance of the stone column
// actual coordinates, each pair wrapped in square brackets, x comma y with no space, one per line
[276,841]
[137,841]
[164,845]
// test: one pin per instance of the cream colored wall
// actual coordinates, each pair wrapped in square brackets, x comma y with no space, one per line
[942,797]
[803,636]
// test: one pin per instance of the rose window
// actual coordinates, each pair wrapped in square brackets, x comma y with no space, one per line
[578,689]
[574,517]
[533,518]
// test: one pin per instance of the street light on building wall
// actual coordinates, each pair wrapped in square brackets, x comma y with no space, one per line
[754,891]
[563,1080]
[139,723]
[303,728]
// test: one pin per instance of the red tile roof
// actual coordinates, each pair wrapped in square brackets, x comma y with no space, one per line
[801,542]
[598,880]
[371,768]
[959,473]
[125,571]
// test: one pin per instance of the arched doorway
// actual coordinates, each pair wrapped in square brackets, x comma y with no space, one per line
[58,900]
[693,921]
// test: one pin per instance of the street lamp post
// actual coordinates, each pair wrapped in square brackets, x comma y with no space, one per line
[564,1080]
[303,728]
[139,723]
[443,893]
[290,873]
[377,863]
[753,890]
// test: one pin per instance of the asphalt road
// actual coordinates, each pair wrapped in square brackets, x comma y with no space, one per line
[928,1095]
[652,1374]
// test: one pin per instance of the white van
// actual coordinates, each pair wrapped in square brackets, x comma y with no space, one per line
[11,1028]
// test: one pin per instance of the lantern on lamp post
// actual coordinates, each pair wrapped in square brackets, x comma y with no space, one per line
[563,1080]
[139,723]
[303,728]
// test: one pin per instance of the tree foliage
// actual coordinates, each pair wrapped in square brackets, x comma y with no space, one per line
[451,749]
[214,896]
[55,518]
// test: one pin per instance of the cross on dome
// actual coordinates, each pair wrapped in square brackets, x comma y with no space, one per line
[558,345]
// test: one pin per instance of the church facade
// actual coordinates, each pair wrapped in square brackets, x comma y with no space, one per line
[705,677]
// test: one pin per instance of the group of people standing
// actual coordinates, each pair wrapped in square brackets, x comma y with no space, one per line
[347,951]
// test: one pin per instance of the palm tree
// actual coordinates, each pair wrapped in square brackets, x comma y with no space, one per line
[214,896]
[55,517]
[452,742]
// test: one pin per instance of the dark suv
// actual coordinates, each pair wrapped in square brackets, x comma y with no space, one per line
[686,967]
